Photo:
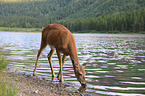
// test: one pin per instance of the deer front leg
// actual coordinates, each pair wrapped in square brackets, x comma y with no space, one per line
[63,60]
[50,62]
[43,45]
[60,63]
[39,52]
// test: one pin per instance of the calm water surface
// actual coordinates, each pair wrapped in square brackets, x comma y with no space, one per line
[116,61]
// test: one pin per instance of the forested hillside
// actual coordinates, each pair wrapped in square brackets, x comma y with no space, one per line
[39,13]
[133,21]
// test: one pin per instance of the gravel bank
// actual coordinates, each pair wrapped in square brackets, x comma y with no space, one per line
[32,86]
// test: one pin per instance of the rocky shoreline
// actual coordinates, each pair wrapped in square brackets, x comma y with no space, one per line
[31,86]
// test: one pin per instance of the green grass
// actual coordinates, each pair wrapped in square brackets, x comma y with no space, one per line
[7,29]
[3,63]
[6,86]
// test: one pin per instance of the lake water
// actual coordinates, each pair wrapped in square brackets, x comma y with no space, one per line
[116,61]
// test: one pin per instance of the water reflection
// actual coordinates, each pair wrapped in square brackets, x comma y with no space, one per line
[116,62]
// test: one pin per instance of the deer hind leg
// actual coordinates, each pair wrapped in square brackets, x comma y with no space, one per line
[43,45]
[60,63]
[50,62]
[63,60]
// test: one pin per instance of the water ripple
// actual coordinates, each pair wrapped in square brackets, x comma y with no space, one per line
[115,62]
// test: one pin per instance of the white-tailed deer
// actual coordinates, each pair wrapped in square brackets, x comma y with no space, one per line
[59,38]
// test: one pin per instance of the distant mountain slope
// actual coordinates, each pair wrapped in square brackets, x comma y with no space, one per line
[114,23]
[37,14]
[94,8]
[12,1]
[32,9]
[103,7]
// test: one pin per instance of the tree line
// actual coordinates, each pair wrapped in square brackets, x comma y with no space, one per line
[133,21]
[39,13]
[82,15]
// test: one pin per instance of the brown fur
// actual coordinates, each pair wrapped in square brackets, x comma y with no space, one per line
[59,38]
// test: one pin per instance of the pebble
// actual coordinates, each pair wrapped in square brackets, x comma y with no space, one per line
[16,79]
[36,91]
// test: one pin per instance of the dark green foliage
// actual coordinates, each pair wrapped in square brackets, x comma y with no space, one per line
[78,15]
[126,21]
